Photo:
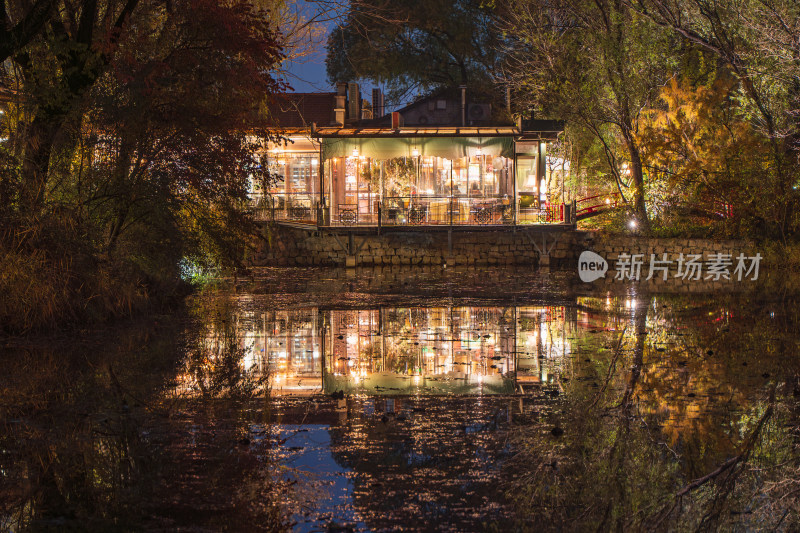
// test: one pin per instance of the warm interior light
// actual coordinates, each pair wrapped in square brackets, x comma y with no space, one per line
[530,182]
[479,152]
[415,152]
[608,200]
[355,152]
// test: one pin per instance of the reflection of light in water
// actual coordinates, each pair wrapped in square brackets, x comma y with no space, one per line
[250,360]
[397,348]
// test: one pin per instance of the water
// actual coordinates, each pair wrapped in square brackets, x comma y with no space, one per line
[323,400]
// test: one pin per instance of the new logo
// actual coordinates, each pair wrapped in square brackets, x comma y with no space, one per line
[591,267]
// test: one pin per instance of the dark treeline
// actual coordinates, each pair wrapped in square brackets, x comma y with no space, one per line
[128,132]
[687,108]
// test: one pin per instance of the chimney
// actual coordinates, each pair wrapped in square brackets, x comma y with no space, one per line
[353,103]
[463,104]
[377,103]
[338,111]
[339,105]
[397,120]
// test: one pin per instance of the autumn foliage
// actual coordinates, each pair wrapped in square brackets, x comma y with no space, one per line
[132,134]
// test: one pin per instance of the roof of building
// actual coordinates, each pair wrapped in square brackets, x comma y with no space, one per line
[295,113]
[452,94]
[300,110]
[549,130]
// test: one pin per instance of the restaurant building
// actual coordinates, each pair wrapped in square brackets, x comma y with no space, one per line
[444,160]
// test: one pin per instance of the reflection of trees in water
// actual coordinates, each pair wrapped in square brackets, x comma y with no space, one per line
[672,423]
[438,468]
[90,443]
[217,356]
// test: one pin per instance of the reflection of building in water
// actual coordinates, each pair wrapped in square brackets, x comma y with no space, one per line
[405,350]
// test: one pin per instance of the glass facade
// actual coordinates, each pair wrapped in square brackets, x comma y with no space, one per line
[417,181]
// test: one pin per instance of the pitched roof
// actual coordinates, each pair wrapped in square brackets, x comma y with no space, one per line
[300,110]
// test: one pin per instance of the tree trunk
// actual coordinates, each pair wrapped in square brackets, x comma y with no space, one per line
[39,139]
[637,174]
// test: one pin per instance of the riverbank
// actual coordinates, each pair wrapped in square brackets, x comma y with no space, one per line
[67,289]
[530,246]
[60,290]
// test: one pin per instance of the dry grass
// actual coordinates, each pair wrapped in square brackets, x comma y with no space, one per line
[51,278]
[41,293]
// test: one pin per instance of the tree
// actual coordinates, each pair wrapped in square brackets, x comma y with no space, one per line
[596,64]
[179,122]
[19,26]
[56,70]
[420,45]
[758,41]
[134,129]
[710,154]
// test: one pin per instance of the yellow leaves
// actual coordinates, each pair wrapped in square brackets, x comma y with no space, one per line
[698,133]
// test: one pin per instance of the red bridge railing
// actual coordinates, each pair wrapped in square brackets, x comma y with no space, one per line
[599,203]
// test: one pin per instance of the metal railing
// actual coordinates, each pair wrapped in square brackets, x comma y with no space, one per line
[547,214]
[296,207]
[404,211]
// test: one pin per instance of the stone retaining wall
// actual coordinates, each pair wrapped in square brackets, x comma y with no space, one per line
[610,246]
[295,247]
[283,246]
